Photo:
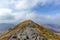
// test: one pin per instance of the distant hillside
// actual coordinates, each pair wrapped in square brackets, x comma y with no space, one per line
[53,27]
[5,26]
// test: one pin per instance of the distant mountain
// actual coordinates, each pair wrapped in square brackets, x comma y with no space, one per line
[5,26]
[53,27]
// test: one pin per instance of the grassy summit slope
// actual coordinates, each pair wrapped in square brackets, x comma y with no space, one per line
[43,31]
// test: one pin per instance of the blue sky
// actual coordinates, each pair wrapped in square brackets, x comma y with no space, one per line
[41,11]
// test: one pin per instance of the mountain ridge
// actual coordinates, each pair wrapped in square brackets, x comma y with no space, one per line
[47,33]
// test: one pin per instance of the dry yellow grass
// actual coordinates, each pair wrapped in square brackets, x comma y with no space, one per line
[43,31]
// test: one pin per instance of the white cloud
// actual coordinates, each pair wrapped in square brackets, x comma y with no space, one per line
[26,4]
[23,4]
[5,11]
[4,14]
[24,15]
[19,15]
[34,16]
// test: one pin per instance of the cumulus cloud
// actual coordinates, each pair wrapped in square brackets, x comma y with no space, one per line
[23,10]
[26,4]
[39,18]
[4,11]
[4,14]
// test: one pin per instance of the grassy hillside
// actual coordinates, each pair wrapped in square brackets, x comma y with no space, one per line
[43,31]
